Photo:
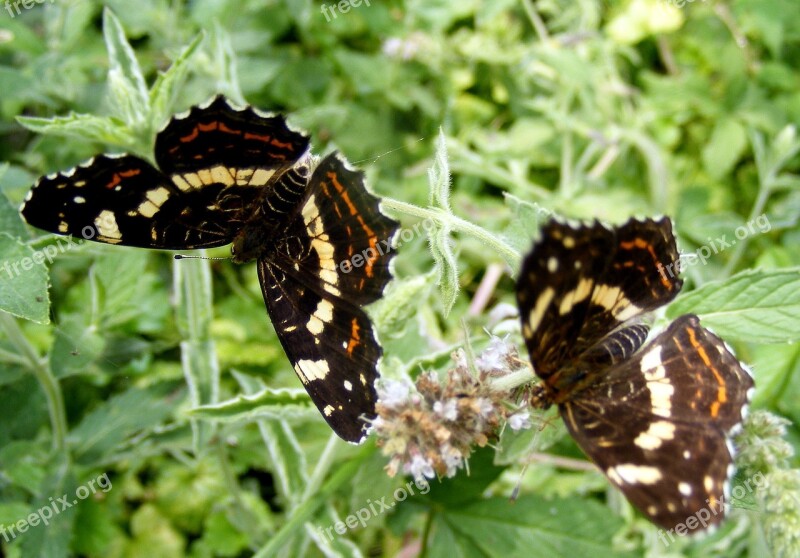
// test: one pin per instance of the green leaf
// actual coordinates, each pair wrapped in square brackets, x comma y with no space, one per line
[439,176]
[225,68]
[725,148]
[525,224]
[755,306]
[117,419]
[126,84]
[10,220]
[165,89]
[269,403]
[398,305]
[23,289]
[84,126]
[52,539]
[532,527]
[76,346]
[441,246]
[288,461]
[777,367]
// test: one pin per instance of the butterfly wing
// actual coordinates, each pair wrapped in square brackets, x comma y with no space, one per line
[580,283]
[658,424]
[315,298]
[215,162]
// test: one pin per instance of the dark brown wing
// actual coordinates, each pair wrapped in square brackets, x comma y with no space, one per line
[314,287]
[658,425]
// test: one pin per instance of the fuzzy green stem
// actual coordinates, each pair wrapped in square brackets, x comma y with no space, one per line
[48,382]
[758,208]
[457,224]
[307,509]
[510,381]
[194,314]
[323,466]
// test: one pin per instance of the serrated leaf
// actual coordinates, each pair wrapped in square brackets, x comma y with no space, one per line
[167,83]
[10,220]
[525,224]
[112,422]
[23,288]
[269,403]
[532,527]
[126,84]
[286,455]
[754,306]
[439,176]
[84,126]
[446,266]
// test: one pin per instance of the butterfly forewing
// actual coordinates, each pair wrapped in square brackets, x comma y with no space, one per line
[219,136]
[576,285]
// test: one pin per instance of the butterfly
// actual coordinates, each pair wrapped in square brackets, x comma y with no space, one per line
[656,418]
[232,175]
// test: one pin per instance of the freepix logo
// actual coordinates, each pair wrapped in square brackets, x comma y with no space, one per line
[13,7]
[343,7]
[373,509]
[55,506]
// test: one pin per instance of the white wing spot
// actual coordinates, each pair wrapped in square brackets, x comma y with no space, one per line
[261,177]
[661,390]
[309,370]
[634,474]
[536,315]
[106,224]
[656,434]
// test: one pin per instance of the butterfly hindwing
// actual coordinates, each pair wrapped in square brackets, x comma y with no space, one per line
[331,347]
[658,424]
[326,335]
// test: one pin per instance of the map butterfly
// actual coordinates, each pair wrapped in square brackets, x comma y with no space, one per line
[228,175]
[656,418]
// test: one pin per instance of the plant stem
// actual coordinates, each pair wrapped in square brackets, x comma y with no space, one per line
[536,21]
[198,356]
[48,382]
[517,378]
[323,466]
[307,509]
[457,224]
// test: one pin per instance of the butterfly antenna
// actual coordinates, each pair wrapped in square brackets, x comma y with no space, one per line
[386,153]
[182,257]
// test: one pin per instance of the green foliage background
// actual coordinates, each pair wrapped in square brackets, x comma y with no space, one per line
[587,109]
